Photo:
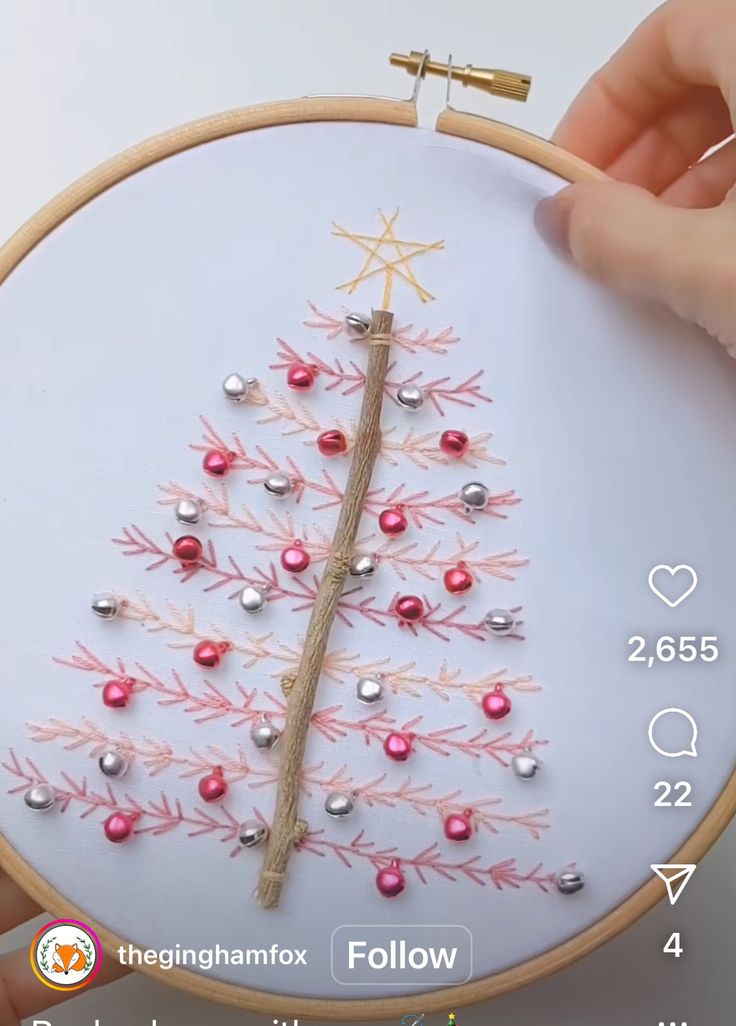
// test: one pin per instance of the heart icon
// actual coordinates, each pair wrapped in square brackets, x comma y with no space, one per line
[684,587]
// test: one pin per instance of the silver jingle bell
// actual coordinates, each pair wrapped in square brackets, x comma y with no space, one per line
[474,496]
[252,833]
[500,622]
[188,511]
[106,606]
[252,599]
[525,765]
[264,734]
[362,565]
[358,323]
[369,690]
[410,396]
[40,798]
[279,484]
[339,804]
[236,387]
[570,882]
[113,764]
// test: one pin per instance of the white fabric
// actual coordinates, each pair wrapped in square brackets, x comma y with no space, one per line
[618,432]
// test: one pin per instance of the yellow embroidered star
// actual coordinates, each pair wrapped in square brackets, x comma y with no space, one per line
[389,256]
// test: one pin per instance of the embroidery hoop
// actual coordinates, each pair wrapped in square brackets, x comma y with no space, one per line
[392,112]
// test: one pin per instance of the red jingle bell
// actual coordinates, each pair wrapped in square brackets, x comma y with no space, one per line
[459,827]
[217,463]
[213,787]
[391,881]
[332,442]
[454,443]
[409,608]
[188,549]
[119,826]
[300,377]
[458,580]
[398,746]
[116,694]
[209,653]
[393,521]
[496,704]
[295,558]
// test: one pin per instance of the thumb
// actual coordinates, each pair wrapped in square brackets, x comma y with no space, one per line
[625,237]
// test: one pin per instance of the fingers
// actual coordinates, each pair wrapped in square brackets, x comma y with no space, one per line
[680,46]
[15,906]
[23,995]
[666,149]
[707,183]
[632,241]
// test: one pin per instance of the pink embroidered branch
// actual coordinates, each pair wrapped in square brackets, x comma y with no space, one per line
[136,543]
[405,336]
[163,815]
[421,507]
[403,559]
[350,378]
[340,666]
[433,621]
[303,594]
[239,458]
[207,702]
[157,756]
[430,861]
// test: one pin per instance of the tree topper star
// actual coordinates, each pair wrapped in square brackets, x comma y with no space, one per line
[389,256]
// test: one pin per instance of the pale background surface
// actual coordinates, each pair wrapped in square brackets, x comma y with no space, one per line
[79,82]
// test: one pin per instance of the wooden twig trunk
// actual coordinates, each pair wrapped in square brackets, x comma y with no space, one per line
[287,829]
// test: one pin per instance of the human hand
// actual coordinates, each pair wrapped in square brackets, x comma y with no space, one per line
[21,994]
[666,229]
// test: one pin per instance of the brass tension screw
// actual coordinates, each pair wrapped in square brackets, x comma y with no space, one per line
[508,84]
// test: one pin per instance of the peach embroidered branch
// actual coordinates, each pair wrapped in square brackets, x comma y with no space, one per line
[406,680]
[446,741]
[421,449]
[157,756]
[209,702]
[350,378]
[420,799]
[430,861]
[431,563]
[406,336]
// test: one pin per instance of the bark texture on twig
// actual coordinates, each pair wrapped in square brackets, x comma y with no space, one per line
[287,829]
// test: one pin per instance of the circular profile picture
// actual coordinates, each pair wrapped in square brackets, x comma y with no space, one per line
[66,955]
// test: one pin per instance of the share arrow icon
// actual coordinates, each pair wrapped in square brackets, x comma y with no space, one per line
[675,877]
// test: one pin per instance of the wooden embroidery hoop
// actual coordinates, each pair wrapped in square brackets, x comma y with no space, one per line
[106,176]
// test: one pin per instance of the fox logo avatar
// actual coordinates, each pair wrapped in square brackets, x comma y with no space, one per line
[69,958]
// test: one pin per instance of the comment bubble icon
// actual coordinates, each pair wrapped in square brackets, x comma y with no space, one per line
[673,733]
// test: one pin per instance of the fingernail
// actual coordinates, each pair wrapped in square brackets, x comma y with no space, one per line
[552,221]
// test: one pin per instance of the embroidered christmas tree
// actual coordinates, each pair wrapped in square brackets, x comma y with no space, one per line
[320,540]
